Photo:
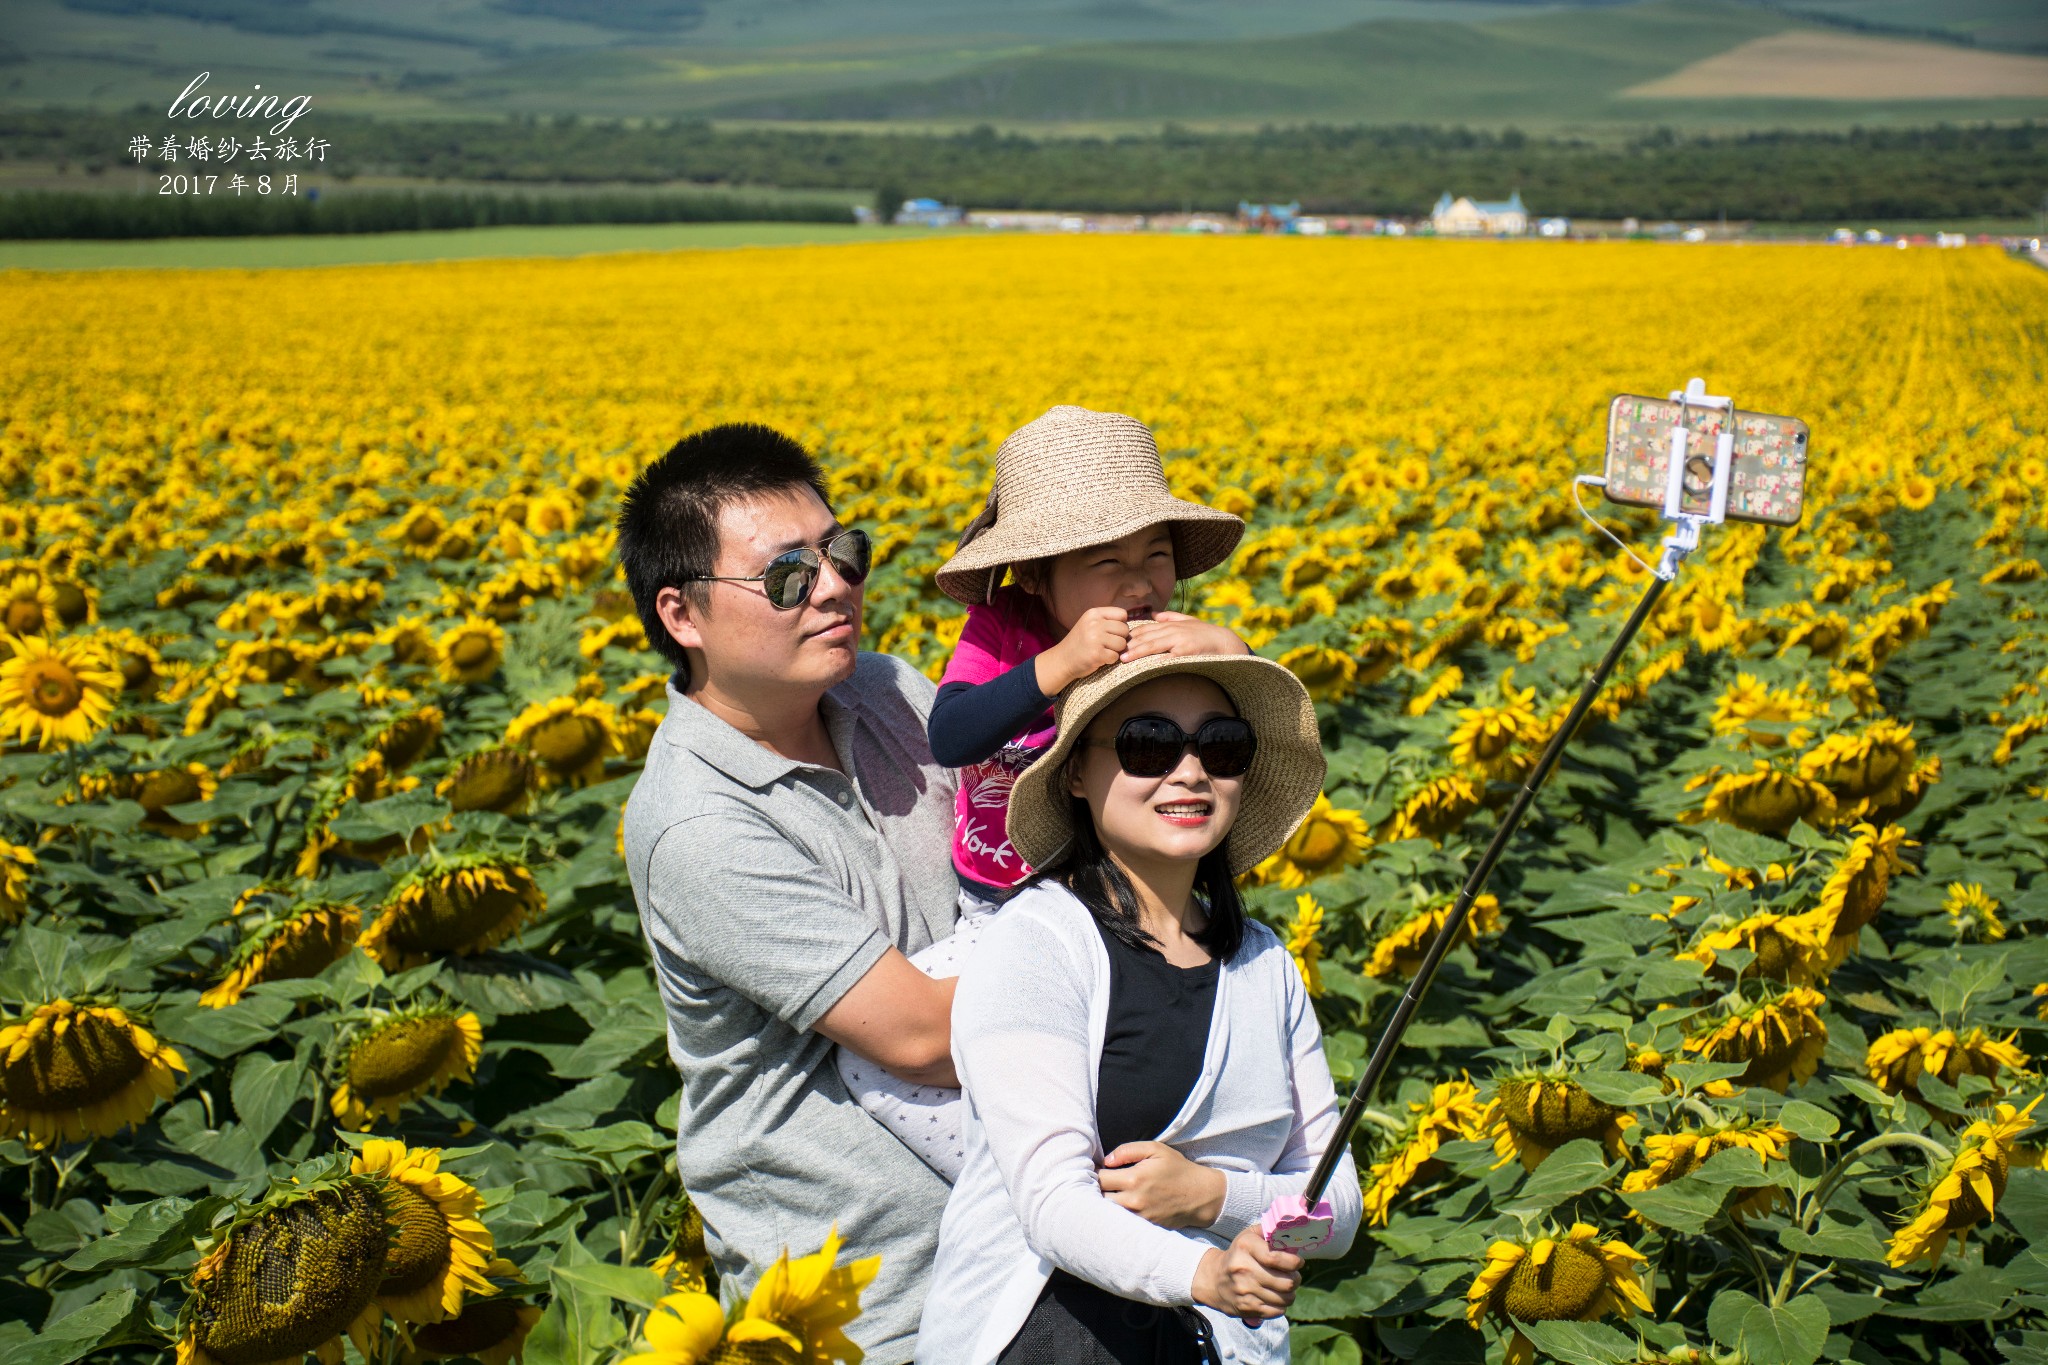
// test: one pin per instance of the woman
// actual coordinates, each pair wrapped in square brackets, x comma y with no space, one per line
[1143,1070]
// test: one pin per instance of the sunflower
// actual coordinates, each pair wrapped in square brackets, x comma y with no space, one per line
[402,1057]
[408,739]
[1303,944]
[1871,767]
[60,692]
[495,779]
[470,652]
[1329,840]
[70,1071]
[687,1263]
[1916,492]
[16,862]
[1575,1277]
[1488,738]
[1898,1060]
[802,1305]
[1971,913]
[460,907]
[1674,1155]
[1821,634]
[1855,891]
[307,942]
[636,733]
[28,600]
[1380,646]
[1747,706]
[1401,951]
[289,1277]
[1441,686]
[684,1329]
[2016,735]
[1713,623]
[1434,811]
[570,737]
[409,639]
[1917,783]
[1537,1112]
[1788,948]
[441,1251]
[1453,1111]
[1781,1039]
[1328,674]
[492,1330]
[1967,1190]
[1766,801]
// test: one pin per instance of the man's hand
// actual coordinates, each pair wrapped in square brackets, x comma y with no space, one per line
[1249,1280]
[1173,632]
[899,1019]
[1096,640]
[1161,1186]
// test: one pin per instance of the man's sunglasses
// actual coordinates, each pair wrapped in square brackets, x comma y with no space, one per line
[791,575]
[1151,746]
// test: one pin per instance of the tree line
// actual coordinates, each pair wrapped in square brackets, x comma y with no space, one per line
[1948,171]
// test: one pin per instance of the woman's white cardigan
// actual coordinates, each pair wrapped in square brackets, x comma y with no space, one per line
[1028,1025]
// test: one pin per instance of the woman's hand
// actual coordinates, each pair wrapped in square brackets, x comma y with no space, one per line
[1161,1186]
[1172,632]
[1249,1279]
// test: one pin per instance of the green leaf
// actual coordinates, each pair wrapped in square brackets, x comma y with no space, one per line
[1624,1088]
[250,1022]
[1791,1334]
[34,969]
[1572,1169]
[154,1233]
[1693,1075]
[75,1334]
[579,1327]
[64,1229]
[632,1284]
[264,1089]
[1809,1121]
[232,801]
[1580,1343]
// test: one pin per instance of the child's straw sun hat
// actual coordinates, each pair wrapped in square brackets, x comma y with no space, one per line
[1280,788]
[1074,478]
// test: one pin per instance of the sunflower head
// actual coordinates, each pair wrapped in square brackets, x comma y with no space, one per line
[1536,1112]
[1678,1154]
[1329,840]
[457,907]
[1570,1276]
[1966,1190]
[495,779]
[1791,948]
[1452,1112]
[1780,1038]
[303,943]
[1434,811]
[289,1277]
[805,1304]
[56,692]
[1401,950]
[1328,674]
[401,1057]
[1855,891]
[69,1071]
[1767,800]
[440,1252]
[409,738]
[569,736]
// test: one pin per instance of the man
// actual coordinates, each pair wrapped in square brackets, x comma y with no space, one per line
[788,843]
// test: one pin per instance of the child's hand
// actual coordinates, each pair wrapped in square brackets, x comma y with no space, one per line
[1161,1186]
[1171,632]
[1251,1280]
[1096,640]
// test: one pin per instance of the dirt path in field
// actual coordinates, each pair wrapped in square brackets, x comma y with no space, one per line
[1848,66]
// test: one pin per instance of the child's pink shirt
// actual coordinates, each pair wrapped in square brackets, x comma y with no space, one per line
[998,636]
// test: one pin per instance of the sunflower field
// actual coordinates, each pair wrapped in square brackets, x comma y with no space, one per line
[326,1025]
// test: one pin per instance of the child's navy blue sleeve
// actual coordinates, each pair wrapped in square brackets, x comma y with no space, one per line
[971,721]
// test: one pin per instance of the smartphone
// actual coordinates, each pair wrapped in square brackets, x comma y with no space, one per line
[1767,471]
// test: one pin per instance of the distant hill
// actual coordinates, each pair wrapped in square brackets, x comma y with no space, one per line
[1101,64]
[1578,66]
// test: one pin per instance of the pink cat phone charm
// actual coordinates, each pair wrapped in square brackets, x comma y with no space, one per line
[1291,1225]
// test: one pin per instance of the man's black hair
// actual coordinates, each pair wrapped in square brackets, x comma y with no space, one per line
[668,519]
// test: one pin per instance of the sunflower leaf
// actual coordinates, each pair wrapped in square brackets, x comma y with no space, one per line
[1793,1333]
[264,1089]
[156,1230]
[1572,1169]
[75,1334]
[632,1284]
[1624,1088]
[1580,1343]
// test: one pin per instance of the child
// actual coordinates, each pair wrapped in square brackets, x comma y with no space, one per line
[1081,516]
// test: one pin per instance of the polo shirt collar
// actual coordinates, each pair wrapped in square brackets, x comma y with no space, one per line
[747,761]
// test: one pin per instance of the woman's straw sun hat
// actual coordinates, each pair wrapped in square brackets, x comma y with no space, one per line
[1280,788]
[1074,478]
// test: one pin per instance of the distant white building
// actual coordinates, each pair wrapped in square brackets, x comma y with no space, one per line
[927,213]
[1463,216]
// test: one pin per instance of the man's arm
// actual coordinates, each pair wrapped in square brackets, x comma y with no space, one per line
[899,1019]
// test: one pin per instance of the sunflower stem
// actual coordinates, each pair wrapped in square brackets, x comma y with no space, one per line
[1825,1190]
[1756,1260]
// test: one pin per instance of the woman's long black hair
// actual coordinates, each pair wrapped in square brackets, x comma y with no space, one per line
[1097,882]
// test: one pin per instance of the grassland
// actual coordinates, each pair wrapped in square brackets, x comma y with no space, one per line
[254,253]
[1848,66]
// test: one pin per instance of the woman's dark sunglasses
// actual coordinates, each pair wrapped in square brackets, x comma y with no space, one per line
[791,575]
[1151,746]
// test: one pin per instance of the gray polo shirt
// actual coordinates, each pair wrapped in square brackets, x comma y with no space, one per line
[766,888]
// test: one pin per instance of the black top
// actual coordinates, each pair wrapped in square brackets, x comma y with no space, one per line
[1152,1048]
[971,721]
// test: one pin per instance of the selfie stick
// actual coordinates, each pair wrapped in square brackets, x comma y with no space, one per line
[1299,1222]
